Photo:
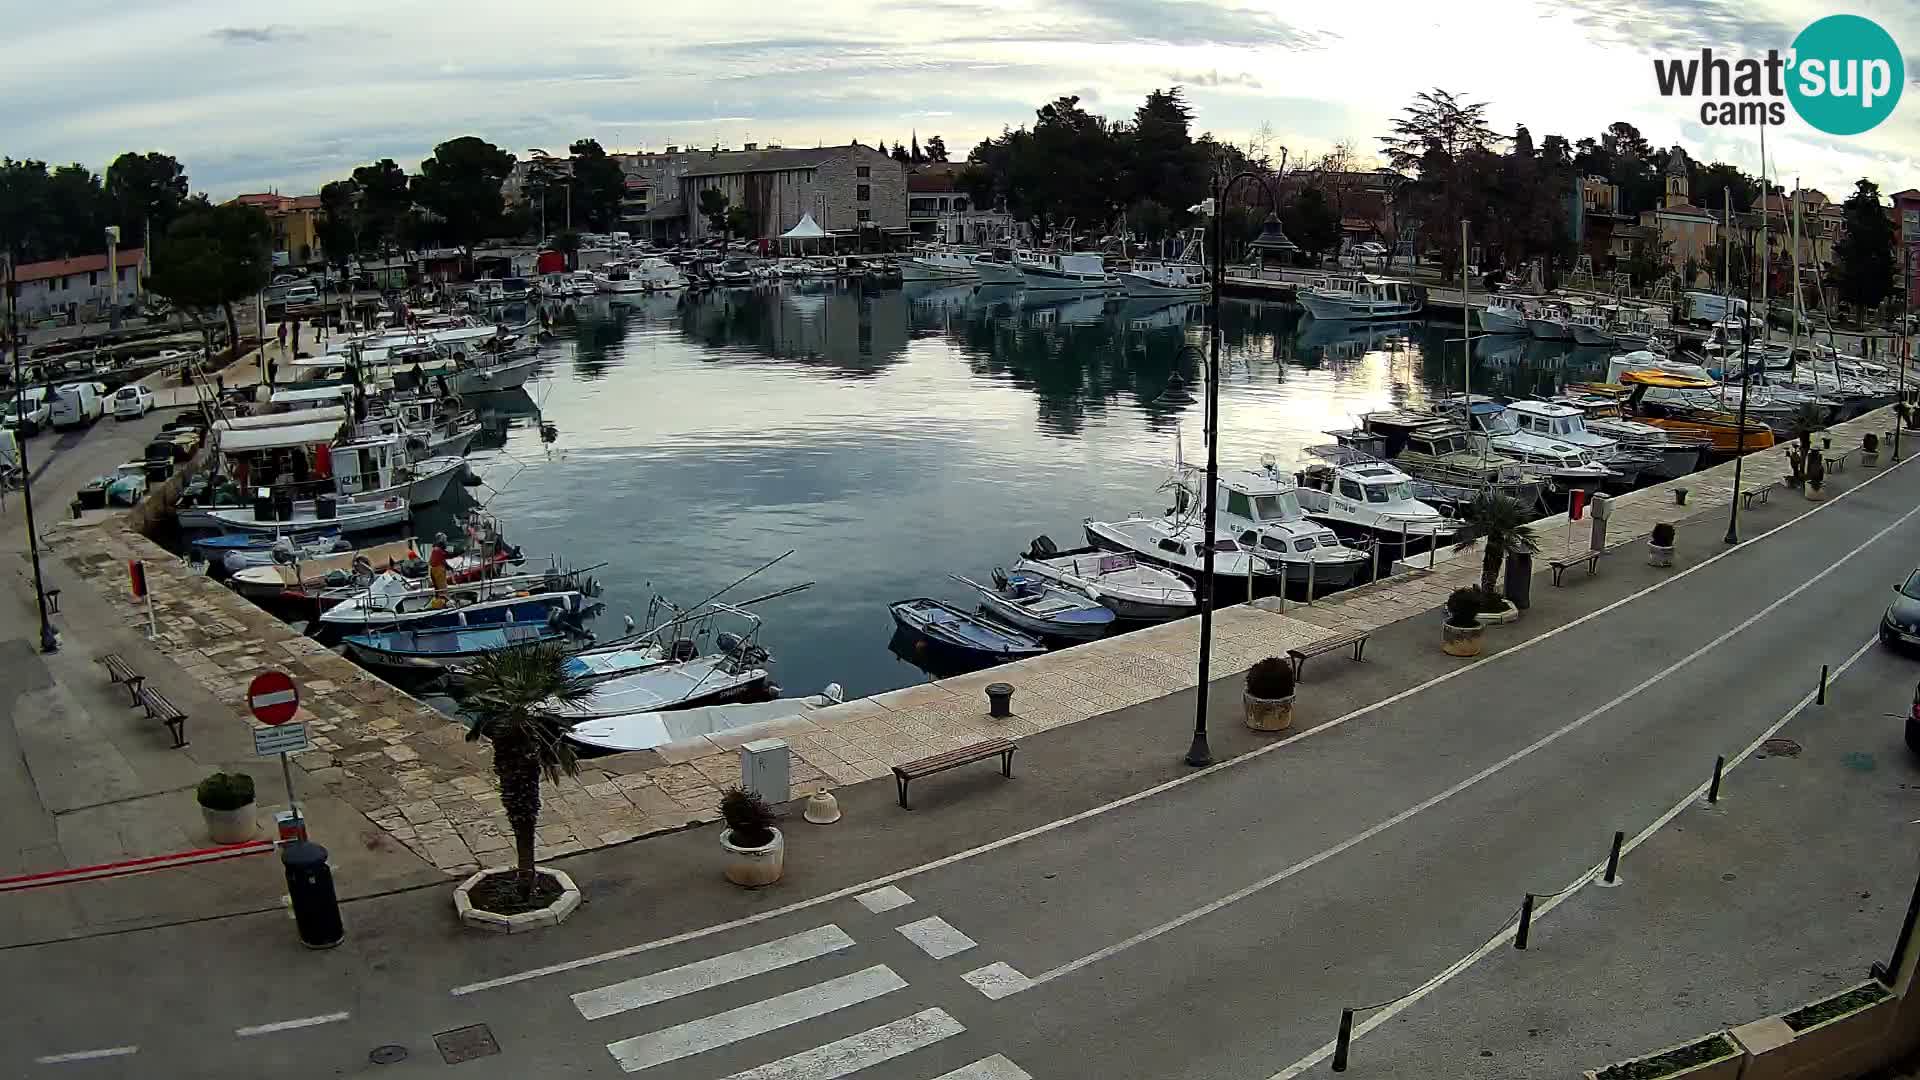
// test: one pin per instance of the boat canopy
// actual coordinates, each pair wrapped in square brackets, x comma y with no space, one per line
[1667,380]
[310,395]
[275,438]
[335,413]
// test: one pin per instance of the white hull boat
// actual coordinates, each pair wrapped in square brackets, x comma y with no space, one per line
[995,272]
[487,378]
[1178,545]
[1594,334]
[349,517]
[1361,296]
[392,602]
[1051,271]
[1041,608]
[648,730]
[1170,282]
[1546,328]
[1504,315]
[1131,589]
[937,263]
[715,677]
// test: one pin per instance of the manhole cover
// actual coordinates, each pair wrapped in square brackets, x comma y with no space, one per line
[388,1055]
[1779,748]
[465,1044]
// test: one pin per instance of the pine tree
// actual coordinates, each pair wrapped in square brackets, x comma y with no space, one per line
[1863,259]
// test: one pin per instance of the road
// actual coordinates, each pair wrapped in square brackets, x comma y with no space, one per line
[1213,928]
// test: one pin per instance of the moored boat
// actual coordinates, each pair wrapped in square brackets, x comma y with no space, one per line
[1039,607]
[1131,588]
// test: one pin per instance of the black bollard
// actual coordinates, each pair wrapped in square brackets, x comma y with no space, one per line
[1822,700]
[1343,1040]
[1613,858]
[1713,790]
[316,911]
[999,700]
[1526,922]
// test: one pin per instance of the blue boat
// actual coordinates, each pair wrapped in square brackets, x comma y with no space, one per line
[431,651]
[260,541]
[1039,607]
[962,631]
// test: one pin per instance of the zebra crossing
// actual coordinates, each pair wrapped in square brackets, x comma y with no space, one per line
[668,1044]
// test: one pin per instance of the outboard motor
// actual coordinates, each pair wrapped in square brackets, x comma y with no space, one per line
[1000,579]
[1042,548]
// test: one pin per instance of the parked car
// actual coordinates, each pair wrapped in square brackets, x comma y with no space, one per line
[131,402]
[1370,249]
[29,412]
[77,405]
[303,293]
[1900,624]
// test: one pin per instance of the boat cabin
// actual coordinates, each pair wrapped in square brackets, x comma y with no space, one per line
[1366,288]
[1554,421]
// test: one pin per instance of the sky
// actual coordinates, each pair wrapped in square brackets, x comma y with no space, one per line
[256,97]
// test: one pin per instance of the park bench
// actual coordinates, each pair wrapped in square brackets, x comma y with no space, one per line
[1836,460]
[953,759]
[122,672]
[1561,566]
[159,708]
[1752,495]
[1357,639]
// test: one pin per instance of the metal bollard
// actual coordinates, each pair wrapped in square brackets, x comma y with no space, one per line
[1343,1040]
[1613,860]
[316,910]
[1526,922]
[1713,790]
[1312,564]
[1822,699]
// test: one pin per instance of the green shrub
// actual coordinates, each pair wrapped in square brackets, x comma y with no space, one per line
[225,791]
[1271,678]
[749,817]
[1662,535]
[1870,443]
[1464,606]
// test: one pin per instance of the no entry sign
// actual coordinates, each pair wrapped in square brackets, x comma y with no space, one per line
[273,697]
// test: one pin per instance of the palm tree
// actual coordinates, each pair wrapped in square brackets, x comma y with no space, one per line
[1503,523]
[511,694]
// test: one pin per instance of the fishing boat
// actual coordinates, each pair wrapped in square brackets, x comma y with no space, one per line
[706,679]
[1039,607]
[1262,510]
[1593,326]
[348,517]
[1568,424]
[997,267]
[1550,319]
[1053,271]
[1130,588]
[939,262]
[1180,544]
[1506,313]
[1368,499]
[648,730]
[1490,427]
[1183,277]
[1359,296]
[483,372]
[284,549]
[963,632]
[302,582]
[391,600]
[431,652]
[1436,452]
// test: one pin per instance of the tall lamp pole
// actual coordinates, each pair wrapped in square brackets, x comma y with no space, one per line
[1908,252]
[1200,754]
[1740,426]
[48,641]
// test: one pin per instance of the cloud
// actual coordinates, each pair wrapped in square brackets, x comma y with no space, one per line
[255,35]
[1213,77]
[1194,22]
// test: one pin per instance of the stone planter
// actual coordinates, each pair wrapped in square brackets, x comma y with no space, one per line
[1269,714]
[1815,494]
[1869,459]
[754,867]
[553,914]
[229,826]
[1505,615]
[1659,556]
[1460,640]
[1848,1044]
[1725,1066]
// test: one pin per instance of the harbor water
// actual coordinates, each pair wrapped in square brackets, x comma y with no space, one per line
[893,437]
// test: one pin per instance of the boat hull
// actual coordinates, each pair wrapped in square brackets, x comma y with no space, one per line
[1226,587]
[1329,309]
[915,270]
[1135,285]
[393,513]
[998,274]
[1592,335]
[1499,322]
[1549,330]
[508,376]
[1052,281]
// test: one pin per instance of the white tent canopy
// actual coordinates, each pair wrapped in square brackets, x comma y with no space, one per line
[807,229]
[335,413]
[246,439]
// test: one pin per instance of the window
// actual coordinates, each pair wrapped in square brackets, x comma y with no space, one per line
[1350,490]
[865,215]
[1303,545]
[1277,507]
[1239,505]
[862,171]
[1376,494]
[63,283]
[863,193]
[1169,545]
[93,277]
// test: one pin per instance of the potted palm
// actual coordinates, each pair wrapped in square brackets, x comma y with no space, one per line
[226,804]
[1502,523]
[1816,477]
[1660,545]
[1460,633]
[1269,695]
[516,701]
[756,852]
[1870,451]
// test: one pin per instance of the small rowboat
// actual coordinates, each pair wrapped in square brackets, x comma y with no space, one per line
[1037,606]
[962,631]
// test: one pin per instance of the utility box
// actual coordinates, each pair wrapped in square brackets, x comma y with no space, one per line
[1519,583]
[1602,510]
[764,771]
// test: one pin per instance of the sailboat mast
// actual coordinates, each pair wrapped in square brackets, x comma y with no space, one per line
[1726,282]
[1765,326]
[1466,322]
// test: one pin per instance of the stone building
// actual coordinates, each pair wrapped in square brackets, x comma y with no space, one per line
[1688,230]
[853,191]
[295,221]
[80,287]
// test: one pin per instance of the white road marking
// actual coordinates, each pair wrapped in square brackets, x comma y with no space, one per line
[843,1057]
[1505,935]
[1434,800]
[997,980]
[758,1018]
[937,937]
[289,1025]
[713,971]
[874,884]
[86,1055]
[996,1067]
[886,899]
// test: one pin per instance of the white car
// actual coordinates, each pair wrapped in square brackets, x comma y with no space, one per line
[303,293]
[30,413]
[131,402]
[1370,249]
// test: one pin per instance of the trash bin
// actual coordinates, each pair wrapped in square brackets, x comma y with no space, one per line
[1519,584]
[316,911]
[263,507]
[324,508]
[283,505]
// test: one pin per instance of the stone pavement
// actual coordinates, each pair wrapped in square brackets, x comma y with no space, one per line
[409,769]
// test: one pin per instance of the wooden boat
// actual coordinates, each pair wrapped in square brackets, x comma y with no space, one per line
[1131,588]
[647,730]
[429,652]
[1033,604]
[962,631]
[1721,429]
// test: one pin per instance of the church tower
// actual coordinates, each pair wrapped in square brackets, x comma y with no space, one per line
[1679,189]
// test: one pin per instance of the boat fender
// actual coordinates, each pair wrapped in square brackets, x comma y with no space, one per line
[834,693]
[523,593]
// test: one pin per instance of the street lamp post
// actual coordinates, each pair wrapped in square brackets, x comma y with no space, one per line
[1740,425]
[1200,754]
[49,642]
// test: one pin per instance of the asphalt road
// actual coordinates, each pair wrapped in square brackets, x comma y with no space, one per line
[1211,929]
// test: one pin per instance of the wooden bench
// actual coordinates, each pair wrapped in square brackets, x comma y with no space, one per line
[122,672]
[159,708]
[1561,566]
[1357,639]
[1836,461]
[1760,494]
[953,759]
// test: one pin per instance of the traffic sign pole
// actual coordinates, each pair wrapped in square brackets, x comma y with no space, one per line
[275,699]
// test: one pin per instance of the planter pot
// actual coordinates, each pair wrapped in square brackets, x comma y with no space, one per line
[754,867]
[1269,714]
[1679,496]
[1724,1066]
[1815,494]
[229,826]
[553,914]
[1843,1045]
[1505,615]
[1659,556]
[1460,640]
[1869,459]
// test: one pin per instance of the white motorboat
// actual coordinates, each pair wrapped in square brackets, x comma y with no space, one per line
[348,517]
[1369,499]
[1131,588]
[1263,511]
[647,730]
[1593,326]
[704,679]
[1055,271]
[1041,608]
[997,267]
[1506,313]
[1183,277]
[1679,452]
[1491,427]
[1181,545]
[391,601]
[1568,424]
[483,373]
[1550,320]
[938,262]
[1359,296]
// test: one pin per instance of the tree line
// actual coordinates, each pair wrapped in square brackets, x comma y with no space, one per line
[61,212]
